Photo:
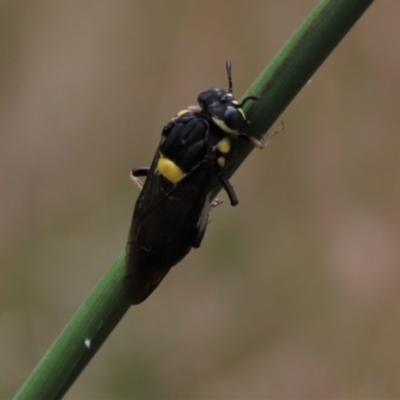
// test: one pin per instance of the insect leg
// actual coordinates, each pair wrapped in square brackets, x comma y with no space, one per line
[229,190]
[139,171]
[262,143]
[215,203]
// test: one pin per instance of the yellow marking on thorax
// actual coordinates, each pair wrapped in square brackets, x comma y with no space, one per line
[223,145]
[242,112]
[220,123]
[182,112]
[169,170]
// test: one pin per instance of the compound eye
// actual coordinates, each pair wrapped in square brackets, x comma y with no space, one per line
[234,118]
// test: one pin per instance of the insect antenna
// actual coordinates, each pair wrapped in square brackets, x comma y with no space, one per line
[255,98]
[230,90]
[228,70]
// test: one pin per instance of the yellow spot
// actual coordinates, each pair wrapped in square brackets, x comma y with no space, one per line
[182,112]
[223,145]
[169,170]
[221,162]
[223,126]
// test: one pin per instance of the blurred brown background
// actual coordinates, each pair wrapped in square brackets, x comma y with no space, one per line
[294,293]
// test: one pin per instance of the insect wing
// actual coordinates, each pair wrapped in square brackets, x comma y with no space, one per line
[164,227]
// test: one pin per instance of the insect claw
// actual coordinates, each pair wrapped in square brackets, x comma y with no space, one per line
[215,203]
[136,181]
[262,143]
[136,172]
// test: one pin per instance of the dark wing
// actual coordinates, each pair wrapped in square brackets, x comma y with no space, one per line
[164,227]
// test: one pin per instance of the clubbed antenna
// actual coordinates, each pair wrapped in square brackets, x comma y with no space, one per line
[228,70]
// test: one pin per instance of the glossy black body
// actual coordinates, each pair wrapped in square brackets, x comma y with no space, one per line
[171,218]
[166,216]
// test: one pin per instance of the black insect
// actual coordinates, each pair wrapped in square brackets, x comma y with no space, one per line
[171,213]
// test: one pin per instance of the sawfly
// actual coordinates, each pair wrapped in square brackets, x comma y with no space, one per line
[171,212]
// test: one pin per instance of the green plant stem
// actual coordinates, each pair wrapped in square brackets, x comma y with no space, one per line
[80,340]
[295,64]
[278,84]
